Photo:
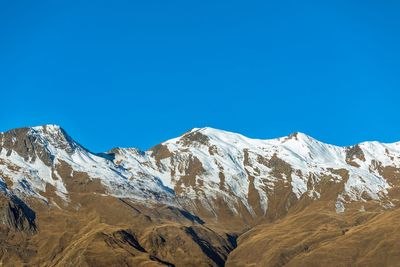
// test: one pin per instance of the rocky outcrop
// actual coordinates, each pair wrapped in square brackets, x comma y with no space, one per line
[16,215]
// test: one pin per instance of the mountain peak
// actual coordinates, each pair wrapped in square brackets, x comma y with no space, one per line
[47,131]
[218,134]
[39,141]
[299,136]
[209,133]
[206,130]
[48,128]
[54,135]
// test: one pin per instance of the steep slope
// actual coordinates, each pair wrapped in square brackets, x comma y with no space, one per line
[62,205]
[319,237]
[97,230]
[205,169]
[227,174]
[184,202]
[34,158]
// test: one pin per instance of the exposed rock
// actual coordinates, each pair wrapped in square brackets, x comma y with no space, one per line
[16,215]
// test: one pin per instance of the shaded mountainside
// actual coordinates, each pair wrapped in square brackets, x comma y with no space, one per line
[290,200]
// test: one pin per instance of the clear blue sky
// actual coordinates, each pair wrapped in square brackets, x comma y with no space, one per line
[135,73]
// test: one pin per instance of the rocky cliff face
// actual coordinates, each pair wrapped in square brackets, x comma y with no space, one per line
[16,215]
[185,201]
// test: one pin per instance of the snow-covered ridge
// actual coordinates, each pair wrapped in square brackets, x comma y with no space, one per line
[306,156]
[29,174]
[204,164]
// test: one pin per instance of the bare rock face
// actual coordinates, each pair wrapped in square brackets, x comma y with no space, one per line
[206,198]
[16,215]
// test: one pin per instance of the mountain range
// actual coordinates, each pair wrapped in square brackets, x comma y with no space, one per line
[206,198]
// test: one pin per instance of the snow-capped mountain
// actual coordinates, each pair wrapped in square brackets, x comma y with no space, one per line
[206,171]
[32,158]
[211,165]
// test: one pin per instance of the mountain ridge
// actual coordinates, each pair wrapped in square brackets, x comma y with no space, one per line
[204,157]
[204,198]
[61,129]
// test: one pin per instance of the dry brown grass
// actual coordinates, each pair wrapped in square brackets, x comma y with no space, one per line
[319,237]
